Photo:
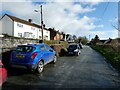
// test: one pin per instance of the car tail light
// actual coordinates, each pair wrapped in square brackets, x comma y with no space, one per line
[34,55]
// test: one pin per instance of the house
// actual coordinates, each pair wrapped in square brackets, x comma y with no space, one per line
[46,34]
[69,38]
[56,35]
[52,33]
[21,28]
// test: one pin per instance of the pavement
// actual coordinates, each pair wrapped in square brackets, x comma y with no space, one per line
[89,70]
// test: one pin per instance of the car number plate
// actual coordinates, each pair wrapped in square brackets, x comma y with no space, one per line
[70,52]
[20,56]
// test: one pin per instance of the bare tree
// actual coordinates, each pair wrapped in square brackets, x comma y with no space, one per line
[116,25]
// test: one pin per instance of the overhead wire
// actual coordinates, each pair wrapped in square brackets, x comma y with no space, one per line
[102,15]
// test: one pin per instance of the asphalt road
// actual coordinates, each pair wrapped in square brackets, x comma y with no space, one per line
[89,70]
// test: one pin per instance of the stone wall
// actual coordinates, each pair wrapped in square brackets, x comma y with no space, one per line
[60,49]
[7,43]
[116,44]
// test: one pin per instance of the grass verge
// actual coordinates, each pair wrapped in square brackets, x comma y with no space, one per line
[109,53]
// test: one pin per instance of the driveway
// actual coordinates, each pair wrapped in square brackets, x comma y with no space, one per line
[89,70]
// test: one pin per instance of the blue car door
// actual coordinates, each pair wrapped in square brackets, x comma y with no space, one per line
[49,52]
[44,52]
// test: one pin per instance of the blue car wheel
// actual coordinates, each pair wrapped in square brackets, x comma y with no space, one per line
[40,66]
[55,59]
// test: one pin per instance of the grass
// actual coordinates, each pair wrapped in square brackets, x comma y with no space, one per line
[109,53]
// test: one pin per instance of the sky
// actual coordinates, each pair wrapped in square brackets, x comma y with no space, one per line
[76,17]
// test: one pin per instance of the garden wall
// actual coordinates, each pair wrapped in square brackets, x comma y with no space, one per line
[9,43]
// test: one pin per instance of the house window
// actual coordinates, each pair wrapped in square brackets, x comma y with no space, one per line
[19,34]
[45,37]
[27,34]
[33,36]
[40,37]
[39,30]
[19,25]
[32,28]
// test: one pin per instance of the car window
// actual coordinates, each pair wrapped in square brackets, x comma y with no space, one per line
[24,49]
[47,47]
[42,47]
[72,46]
[78,46]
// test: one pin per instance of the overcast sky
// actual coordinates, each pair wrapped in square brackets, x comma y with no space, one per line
[76,17]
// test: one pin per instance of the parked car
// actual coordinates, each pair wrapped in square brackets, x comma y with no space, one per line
[33,56]
[74,49]
[3,73]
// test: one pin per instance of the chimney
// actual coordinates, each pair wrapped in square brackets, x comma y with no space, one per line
[30,20]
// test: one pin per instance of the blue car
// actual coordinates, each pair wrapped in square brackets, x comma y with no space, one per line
[33,56]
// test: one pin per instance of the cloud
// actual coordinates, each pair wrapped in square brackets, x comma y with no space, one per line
[69,22]
[61,15]
[77,8]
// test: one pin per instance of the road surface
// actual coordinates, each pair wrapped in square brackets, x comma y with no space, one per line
[89,70]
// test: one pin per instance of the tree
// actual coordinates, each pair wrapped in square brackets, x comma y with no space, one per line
[83,40]
[67,35]
[95,40]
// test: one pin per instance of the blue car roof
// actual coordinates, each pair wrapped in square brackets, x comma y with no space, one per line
[32,45]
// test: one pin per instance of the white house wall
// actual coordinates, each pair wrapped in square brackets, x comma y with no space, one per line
[0,27]
[7,26]
[46,33]
[20,28]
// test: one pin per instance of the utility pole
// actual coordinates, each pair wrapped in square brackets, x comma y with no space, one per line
[41,19]
[42,23]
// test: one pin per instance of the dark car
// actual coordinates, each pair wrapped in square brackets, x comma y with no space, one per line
[3,73]
[33,56]
[74,49]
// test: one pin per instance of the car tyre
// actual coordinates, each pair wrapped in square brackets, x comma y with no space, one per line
[55,59]
[77,54]
[40,66]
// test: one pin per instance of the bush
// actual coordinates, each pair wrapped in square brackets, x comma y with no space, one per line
[55,42]
[51,42]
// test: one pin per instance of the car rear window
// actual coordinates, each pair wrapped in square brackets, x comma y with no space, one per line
[24,48]
[72,46]
[42,47]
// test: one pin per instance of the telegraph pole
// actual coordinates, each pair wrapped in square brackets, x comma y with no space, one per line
[42,23]
[41,19]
